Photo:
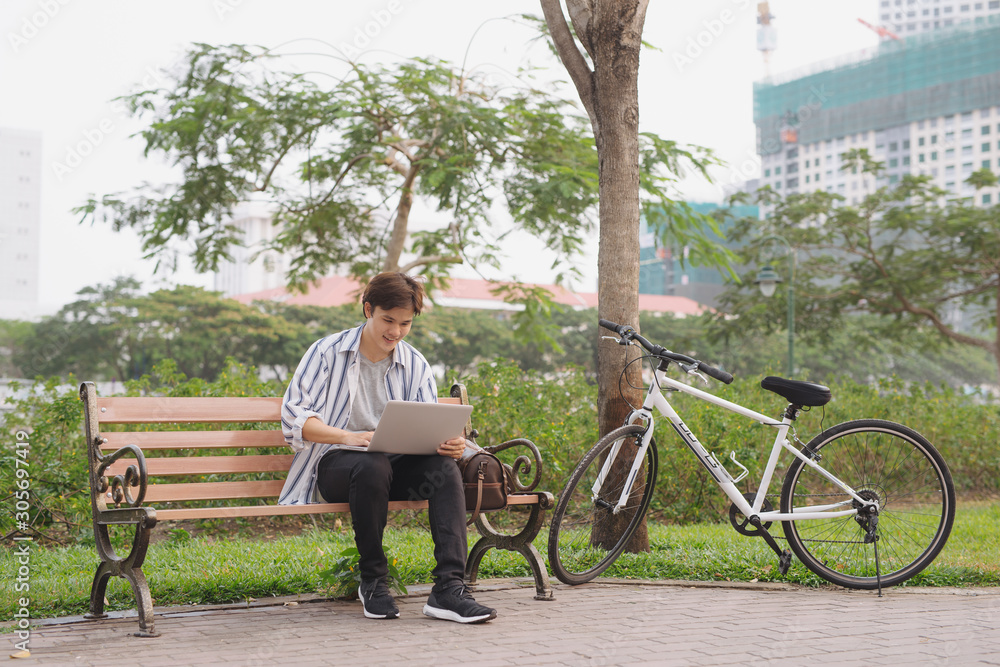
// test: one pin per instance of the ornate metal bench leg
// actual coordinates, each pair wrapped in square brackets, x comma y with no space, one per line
[543,591]
[130,568]
[521,543]
[98,591]
[143,601]
[476,554]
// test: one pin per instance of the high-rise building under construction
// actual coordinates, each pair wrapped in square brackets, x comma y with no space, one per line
[927,103]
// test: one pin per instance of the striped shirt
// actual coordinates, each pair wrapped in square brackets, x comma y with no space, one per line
[324,386]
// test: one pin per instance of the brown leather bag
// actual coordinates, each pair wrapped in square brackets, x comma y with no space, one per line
[485,480]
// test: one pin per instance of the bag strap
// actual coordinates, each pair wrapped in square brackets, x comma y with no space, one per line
[481,475]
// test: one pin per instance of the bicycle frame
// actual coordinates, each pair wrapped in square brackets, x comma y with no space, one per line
[656,399]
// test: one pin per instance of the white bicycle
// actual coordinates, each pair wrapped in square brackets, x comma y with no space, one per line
[865,504]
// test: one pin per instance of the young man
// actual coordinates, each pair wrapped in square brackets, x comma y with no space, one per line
[335,398]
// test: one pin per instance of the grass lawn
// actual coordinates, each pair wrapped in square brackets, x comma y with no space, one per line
[205,570]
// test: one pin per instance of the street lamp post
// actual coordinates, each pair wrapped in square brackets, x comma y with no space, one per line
[768,279]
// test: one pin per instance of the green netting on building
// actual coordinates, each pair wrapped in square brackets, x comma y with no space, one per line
[925,76]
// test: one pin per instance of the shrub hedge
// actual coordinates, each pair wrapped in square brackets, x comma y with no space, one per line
[558,414]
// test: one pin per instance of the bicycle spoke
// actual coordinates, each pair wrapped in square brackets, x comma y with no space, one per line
[890,466]
[586,534]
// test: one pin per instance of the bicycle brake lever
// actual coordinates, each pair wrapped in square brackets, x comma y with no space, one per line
[693,370]
[617,340]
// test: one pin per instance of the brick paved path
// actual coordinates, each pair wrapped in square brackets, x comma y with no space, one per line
[595,624]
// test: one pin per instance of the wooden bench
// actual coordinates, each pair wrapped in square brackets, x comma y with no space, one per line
[122,463]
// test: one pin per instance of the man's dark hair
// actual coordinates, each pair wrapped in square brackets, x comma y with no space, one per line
[392,289]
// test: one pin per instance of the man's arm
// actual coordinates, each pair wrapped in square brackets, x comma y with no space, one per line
[315,430]
[305,397]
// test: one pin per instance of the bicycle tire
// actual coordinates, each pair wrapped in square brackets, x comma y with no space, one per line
[574,555]
[878,459]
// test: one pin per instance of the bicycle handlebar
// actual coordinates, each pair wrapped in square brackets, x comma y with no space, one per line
[628,333]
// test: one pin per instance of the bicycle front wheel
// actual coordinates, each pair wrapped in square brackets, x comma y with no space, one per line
[881,461]
[586,534]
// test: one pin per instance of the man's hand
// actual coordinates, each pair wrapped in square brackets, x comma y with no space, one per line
[358,439]
[452,448]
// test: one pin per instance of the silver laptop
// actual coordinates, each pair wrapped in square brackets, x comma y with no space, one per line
[412,427]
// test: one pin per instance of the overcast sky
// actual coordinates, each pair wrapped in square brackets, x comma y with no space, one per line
[63,61]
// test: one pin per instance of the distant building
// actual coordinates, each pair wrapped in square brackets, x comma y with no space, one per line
[20,222]
[926,104]
[669,271]
[250,271]
[911,17]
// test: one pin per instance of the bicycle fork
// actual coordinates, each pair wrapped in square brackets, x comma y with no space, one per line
[633,471]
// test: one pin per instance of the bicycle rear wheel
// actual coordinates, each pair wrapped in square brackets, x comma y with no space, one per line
[881,461]
[586,536]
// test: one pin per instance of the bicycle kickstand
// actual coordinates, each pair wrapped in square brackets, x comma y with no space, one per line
[784,557]
[871,536]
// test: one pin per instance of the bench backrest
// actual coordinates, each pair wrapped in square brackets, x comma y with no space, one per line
[192,464]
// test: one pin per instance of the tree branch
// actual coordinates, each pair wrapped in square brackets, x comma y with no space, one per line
[336,183]
[267,178]
[399,226]
[580,14]
[394,164]
[944,329]
[978,289]
[431,259]
[569,54]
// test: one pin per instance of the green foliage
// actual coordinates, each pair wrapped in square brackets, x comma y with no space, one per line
[343,579]
[343,163]
[556,412]
[49,412]
[337,159]
[903,255]
[559,416]
[114,332]
[14,336]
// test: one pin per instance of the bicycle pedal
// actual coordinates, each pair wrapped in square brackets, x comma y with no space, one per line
[784,562]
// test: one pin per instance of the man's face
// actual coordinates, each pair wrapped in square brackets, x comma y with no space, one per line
[385,328]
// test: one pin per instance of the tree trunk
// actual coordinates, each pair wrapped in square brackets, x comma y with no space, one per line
[616,71]
[611,33]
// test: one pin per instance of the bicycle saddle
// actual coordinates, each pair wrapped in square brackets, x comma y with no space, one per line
[797,392]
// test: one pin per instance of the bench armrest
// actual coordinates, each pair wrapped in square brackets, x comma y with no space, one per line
[522,464]
[120,486]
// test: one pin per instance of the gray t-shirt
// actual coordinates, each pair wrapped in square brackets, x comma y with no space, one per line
[369,403]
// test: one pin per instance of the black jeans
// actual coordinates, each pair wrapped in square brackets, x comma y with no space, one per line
[369,480]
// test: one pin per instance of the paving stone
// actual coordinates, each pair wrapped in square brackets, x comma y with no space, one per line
[595,624]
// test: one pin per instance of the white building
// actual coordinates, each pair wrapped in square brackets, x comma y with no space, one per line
[252,270]
[911,17]
[20,222]
[928,104]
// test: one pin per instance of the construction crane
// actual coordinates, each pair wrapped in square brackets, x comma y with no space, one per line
[880,30]
[767,39]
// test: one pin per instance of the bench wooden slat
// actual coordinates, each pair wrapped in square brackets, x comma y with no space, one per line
[209,465]
[203,410]
[150,440]
[212,491]
[146,410]
[319,508]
